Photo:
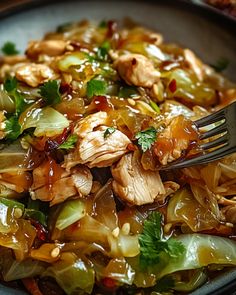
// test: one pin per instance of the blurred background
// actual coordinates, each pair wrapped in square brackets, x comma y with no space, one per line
[226,6]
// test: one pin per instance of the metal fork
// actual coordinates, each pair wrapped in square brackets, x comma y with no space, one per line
[225,120]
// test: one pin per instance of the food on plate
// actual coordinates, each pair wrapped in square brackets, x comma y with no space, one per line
[89,116]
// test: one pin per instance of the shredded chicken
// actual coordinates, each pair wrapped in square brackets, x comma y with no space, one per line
[135,185]
[34,74]
[90,122]
[48,47]
[95,149]
[137,70]
[76,182]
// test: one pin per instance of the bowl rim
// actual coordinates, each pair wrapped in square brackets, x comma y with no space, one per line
[199,5]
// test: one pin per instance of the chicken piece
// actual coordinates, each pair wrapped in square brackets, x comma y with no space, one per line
[194,64]
[34,74]
[78,181]
[48,47]
[87,124]
[135,185]
[136,69]
[12,59]
[175,139]
[95,150]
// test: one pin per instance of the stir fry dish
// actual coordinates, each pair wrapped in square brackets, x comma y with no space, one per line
[89,116]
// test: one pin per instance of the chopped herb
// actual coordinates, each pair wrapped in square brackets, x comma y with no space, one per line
[221,64]
[102,24]
[146,138]
[64,27]
[96,87]
[109,131]
[12,128]
[50,92]
[164,284]
[69,143]
[103,50]
[153,244]
[128,91]
[10,84]
[36,215]
[9,48]
[154,106]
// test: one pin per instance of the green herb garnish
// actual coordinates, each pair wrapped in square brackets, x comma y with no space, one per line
[128,91]
[153,243]
[102,53]
[109,131]
[12,128]
[50,92]
[154,106]
[96,87]
[102,24]
[146,138]
[221,64]
[69,143]
[9,48]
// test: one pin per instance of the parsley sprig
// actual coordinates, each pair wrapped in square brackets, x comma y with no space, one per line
[69,143]
[12,127]
[9,48]
[50,92]
[146,138]
[153,244]
[96,87]
[109,131]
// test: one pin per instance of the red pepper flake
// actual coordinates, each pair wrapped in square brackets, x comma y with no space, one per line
[40,230]
[65,88]
[132,147]
[173,86]
[134,61]
[102,103]
[109,283]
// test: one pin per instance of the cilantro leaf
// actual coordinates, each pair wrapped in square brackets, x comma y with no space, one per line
[12,128]
[128,91]
[221,64]
[69,143]
[102,53]
[10,85]
[153,244]
[102,24]
[109,131]
[146,138]
[50,92]
[9,48]
[96,87]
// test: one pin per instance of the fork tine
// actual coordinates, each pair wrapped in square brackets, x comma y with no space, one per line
[217,130]
[213,118]
[203,159]
[215,143]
